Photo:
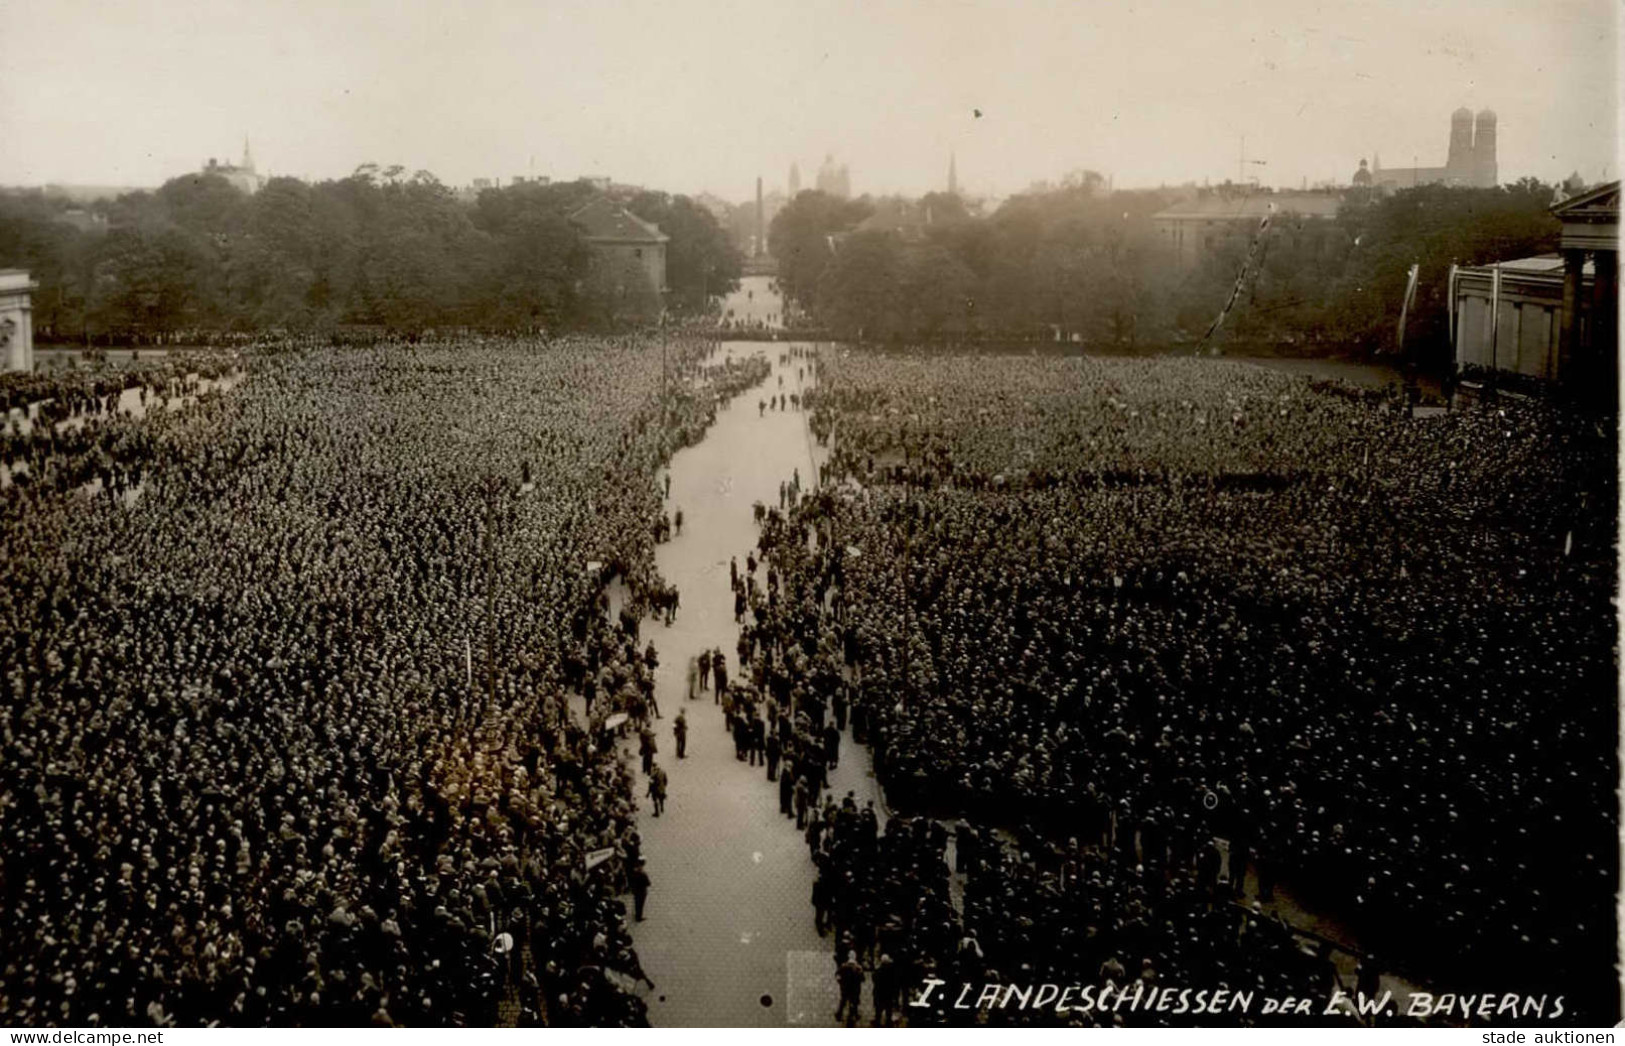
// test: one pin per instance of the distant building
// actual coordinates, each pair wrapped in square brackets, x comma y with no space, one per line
[83,220]
[243,176]
[795,180]
[83,194]
[1193,227]
[719,208]
[1362,177]
[953,176]
[17,319]
[904,218]
[470,194]
[837,181]
[618,237]
[1470,162]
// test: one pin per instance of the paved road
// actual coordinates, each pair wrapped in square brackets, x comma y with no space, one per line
[755,303]
[728,934]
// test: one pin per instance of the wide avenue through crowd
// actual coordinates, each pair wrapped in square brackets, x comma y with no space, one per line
[335,716]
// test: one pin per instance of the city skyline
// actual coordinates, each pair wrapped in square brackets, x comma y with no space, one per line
[660,97]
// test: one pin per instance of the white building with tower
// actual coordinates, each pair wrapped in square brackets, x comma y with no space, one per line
[243,175]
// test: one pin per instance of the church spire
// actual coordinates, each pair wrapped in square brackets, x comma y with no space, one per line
[248,157]
[953,176]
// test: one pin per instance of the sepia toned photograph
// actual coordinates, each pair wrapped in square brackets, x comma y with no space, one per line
[550,514]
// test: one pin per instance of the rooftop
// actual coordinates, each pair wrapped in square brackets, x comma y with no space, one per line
[1235,208]
[16,280]
[604,219]
[1600,202]
[1538,265]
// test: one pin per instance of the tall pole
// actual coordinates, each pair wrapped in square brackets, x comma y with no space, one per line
[1495,319]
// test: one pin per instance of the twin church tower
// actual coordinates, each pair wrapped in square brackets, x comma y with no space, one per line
[1470,162]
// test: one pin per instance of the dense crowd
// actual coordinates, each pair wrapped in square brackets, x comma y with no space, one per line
[63,394]
[64,430]
[289,738]
[1151,604]
[1093,918]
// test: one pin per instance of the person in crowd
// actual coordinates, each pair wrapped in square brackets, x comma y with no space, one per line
[657,789]
[850,977]
[638,881]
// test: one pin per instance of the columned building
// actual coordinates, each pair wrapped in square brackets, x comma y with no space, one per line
[1508,315]
[1588,333]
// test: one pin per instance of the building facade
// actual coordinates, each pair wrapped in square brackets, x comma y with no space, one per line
[242,176]
[621,241]
[17,319]
[1190,229]
[834,179]
[1588,337]
[1508,316]
[1470,161]
[1553,317]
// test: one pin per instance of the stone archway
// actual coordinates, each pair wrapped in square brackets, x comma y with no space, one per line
[17,319]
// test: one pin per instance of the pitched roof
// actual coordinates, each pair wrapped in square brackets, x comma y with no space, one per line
[1537,265]
[1255,206]
[1601,202]
[1591,219]
[604,219]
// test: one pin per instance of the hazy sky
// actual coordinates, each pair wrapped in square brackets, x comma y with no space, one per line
[691,96]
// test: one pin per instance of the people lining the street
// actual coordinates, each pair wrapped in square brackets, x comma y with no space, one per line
[1159,605]
[314,730]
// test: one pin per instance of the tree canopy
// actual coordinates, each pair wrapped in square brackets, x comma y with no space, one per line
[380,247]
[1082,263]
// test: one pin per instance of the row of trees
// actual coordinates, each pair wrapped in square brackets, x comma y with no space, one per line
[374,248]
[1081,262]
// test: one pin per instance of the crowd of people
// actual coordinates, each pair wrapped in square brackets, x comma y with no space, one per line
[1148,605]
[293,737]
[1075,917]
[66,429]
[290,738]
